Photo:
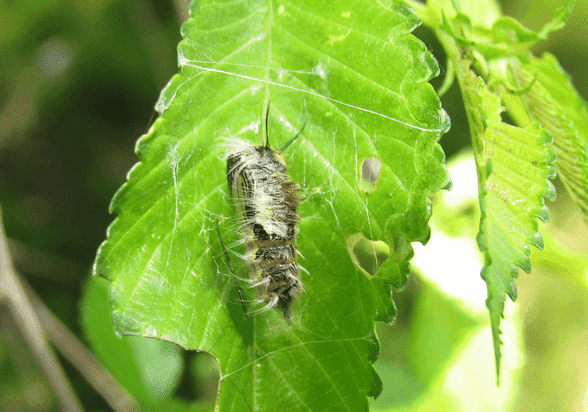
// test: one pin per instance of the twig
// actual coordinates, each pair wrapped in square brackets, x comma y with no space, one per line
[25,318]
[81,358]
[35,262]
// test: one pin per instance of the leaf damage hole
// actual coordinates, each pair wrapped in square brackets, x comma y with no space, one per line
[370,172]
[506,118]
[368,255]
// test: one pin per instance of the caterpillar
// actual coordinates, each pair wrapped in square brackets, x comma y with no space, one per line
[266,198]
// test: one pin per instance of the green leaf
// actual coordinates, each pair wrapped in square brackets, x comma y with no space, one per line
[501,55]
[552,100]
[491,36]
[508,30]
[514,165]
[352,72]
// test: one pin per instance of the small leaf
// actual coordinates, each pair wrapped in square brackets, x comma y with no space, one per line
[514,165]
[352,72]
[505,38]
[508,30]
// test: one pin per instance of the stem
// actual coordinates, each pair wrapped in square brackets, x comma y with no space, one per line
[37,321]
[81,358]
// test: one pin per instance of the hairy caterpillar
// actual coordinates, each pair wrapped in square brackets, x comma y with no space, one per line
[266,199]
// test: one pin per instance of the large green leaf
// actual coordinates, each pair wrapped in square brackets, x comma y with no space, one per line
[354,74]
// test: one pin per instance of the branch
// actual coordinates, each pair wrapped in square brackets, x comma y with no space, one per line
[12,291]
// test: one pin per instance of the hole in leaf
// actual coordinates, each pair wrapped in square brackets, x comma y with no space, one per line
[370,172]
[507,118]
[368,255]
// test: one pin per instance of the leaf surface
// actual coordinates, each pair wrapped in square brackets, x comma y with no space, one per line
[551,99]
[514,167]
[354,74]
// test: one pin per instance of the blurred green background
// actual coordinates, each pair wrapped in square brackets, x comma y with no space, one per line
[78,83]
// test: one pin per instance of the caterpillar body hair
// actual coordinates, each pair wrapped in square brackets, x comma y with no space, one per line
[266,199]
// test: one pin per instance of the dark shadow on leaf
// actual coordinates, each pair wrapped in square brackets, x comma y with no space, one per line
[243,323]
